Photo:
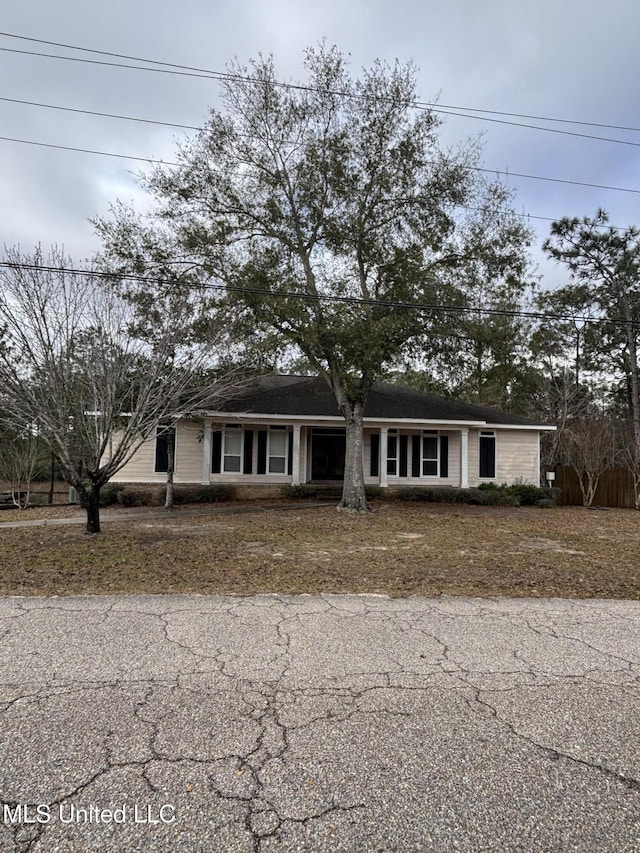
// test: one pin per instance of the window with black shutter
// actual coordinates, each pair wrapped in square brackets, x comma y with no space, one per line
[487,455]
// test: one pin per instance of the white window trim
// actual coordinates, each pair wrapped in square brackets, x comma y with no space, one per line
[234,429]
[487,433]
[278,431]
[429,433]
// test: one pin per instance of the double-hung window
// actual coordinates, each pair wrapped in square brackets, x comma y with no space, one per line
[278,447]
[430,446]
[232,449]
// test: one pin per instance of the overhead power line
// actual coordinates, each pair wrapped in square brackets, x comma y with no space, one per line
[195,127]
[194,71]
[227,75]
[101,115]
[309,297]
[505,172]
[88,151]
[221,76]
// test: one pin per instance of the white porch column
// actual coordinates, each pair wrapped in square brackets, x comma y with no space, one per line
[295,457]
[384,433]
[206,453]
[464,458]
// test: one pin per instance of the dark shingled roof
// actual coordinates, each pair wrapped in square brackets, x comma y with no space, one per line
[311,395]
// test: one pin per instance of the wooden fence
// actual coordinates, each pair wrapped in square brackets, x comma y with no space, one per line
[615,488]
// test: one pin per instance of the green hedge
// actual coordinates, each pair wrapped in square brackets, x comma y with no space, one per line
[109,493]
[155,496]
[214,493]
[137,496]
[298,493]
[487,494]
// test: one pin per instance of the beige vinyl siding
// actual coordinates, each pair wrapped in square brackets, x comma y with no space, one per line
[188,462]
[516,456]
[189,450]
[140,467]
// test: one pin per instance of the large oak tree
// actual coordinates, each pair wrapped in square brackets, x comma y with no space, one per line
[333,217]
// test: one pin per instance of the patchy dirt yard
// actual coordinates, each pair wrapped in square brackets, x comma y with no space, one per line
[398,549]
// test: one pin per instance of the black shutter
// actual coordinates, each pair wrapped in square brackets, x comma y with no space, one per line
[216,451]
[162,453]
[374,467]
[290,454]
[247,462]
[404,444]
[444,455]
[415,455]
[262,451]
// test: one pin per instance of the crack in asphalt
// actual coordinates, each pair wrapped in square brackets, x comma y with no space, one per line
[267,702]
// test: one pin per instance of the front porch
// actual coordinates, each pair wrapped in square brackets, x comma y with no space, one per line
[306,453]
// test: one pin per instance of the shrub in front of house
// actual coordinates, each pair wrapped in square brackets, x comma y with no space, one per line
[133,496]
[428,494]
[486,494]
[530,495]
[109,493]
[373,492]
[213,493]
[298,493]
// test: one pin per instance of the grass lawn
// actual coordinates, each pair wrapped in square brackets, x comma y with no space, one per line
[399,549]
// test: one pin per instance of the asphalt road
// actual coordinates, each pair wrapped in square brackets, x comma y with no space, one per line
[319,723]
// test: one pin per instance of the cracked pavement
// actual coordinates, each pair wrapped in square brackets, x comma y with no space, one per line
[320,723]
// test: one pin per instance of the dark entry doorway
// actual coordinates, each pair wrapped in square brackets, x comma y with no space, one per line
[327,454]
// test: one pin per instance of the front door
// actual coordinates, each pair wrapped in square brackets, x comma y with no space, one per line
[327,454]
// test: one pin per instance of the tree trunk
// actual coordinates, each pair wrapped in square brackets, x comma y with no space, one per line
[588,486]
[354,498]
[52,479]
[171,437]
[91,502]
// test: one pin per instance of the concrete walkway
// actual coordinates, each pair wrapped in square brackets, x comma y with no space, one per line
[318,723]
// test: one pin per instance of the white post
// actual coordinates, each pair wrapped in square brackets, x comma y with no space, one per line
[206,453]
[464,458]
[384,432]
[295,457]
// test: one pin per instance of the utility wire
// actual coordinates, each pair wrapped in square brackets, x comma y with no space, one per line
[164,124]
[226,75]
[349,300]
[506,173]
[220,76]
[172,163]
[194,127]
[102,115]
[88,151]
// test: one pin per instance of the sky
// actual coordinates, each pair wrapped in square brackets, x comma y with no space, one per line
[571,60]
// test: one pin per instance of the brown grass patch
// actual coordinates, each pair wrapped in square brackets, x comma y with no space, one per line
[398,549]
